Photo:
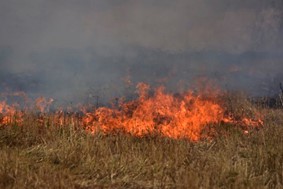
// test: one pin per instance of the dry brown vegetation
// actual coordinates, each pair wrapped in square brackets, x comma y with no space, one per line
[47,156]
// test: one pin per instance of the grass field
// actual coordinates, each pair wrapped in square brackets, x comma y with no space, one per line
[43,155]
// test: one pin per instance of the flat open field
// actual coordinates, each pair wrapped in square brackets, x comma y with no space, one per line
[40,154]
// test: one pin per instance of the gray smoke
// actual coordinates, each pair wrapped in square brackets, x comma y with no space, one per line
[73,49]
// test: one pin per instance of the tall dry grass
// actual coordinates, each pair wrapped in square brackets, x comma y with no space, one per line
[48,156]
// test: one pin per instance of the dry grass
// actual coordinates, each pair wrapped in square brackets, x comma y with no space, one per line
[46,156]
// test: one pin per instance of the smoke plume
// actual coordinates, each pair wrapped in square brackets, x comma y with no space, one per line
[71,50]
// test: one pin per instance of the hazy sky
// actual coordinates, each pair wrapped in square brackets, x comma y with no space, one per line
[68,49]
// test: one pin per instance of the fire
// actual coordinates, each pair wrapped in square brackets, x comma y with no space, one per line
[42,104]
[9,114]
[182,116]
[185,116]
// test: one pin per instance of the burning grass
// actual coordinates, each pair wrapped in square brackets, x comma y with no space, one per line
[236,146]
[184,116]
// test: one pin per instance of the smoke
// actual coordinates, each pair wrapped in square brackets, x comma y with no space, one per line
[71,49]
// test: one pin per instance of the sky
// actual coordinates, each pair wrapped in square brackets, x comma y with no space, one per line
[72,50]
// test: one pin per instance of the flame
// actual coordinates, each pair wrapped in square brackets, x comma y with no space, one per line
[185,116]
[43,104]
[182,116]
[9,114]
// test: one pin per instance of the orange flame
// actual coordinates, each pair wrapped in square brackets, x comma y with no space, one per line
[9,114]
[176,117]
[43,104]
